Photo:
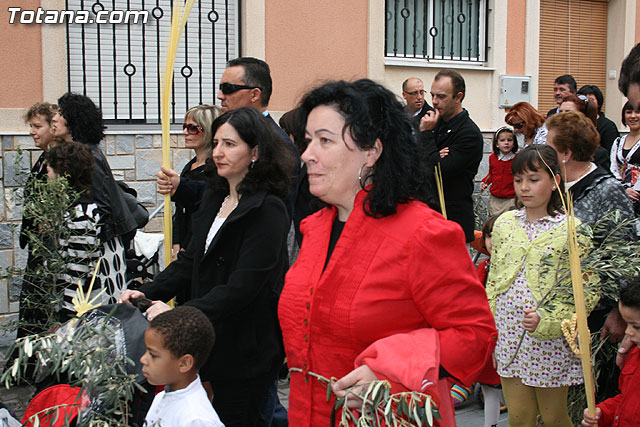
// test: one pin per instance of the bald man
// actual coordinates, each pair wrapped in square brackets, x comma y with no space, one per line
[413,93]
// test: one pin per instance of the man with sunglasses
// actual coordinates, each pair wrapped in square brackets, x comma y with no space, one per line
[413,93]
[245,83]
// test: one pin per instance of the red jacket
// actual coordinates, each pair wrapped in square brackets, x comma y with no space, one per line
[623,410]
[501,177]
[399,292]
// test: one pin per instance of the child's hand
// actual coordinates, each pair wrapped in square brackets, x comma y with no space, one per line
[483,186]
[531,320]
[589,421]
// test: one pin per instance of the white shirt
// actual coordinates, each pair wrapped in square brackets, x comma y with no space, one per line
[215,227]
[189,407]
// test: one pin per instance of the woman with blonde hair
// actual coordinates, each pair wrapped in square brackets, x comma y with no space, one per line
[198,136]
[38,116]
[527,121]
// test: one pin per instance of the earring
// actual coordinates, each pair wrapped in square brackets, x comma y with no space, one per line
[362,184]
[253,163]
[553,188]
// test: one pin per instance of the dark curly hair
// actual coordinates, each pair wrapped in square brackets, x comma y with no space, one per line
[630,71]
[540,157]
[186,330]
[272,171]
[74,161]
[373,112]
[84,119]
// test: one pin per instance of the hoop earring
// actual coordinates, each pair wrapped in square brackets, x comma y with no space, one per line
[362,184]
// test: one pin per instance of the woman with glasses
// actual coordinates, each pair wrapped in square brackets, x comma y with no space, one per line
[527,121]
[198,137]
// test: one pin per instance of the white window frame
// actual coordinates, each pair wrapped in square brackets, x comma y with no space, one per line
[409,59]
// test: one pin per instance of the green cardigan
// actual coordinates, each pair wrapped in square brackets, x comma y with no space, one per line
[511,248]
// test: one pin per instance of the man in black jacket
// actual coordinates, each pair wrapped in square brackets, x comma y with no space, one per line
[452,140]
[413,93]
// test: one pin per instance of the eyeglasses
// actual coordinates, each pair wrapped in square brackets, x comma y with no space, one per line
[191,129]
[416,92]
[229,88]
[517,125]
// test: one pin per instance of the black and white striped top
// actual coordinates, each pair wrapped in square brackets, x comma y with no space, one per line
[81,252]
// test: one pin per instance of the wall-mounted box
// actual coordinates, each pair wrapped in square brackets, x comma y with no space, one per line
[514,89]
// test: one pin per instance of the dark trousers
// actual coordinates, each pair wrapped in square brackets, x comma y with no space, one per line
[240,403]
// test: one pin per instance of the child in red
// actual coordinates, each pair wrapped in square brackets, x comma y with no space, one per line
[623,410]
[500,176]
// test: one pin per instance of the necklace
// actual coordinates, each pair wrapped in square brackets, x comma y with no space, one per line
[224,205]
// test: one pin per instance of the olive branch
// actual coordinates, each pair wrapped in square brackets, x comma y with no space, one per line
[379,406]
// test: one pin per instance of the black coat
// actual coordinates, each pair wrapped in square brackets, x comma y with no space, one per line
[459,167]
[182,216]
[608,131]
[416,119]
[116,216]
[236,283]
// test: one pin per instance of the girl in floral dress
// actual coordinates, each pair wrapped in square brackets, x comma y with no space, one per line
[534,361]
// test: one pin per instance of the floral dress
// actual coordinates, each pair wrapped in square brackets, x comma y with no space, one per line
[538,363]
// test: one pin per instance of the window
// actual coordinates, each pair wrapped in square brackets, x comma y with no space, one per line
[576,47]
[452,30]
[119,66]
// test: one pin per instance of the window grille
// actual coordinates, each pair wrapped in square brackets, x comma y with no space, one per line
[452,30]
[119,66]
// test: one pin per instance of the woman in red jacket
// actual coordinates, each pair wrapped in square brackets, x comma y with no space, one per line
[383,287]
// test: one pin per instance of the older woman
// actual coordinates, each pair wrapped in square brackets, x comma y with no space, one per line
[595,193]
[382,282]
[31,317]
[234,267]
[78,119]
[527,121]
[198,137]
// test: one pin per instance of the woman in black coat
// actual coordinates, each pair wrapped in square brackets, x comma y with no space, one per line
[78,119]
[233,269]
[196,129]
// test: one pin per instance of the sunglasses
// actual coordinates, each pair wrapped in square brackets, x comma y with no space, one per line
[191,129]
[229,88]
[518,125]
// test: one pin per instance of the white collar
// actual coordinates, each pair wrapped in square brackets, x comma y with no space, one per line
[506,157]
[569,184]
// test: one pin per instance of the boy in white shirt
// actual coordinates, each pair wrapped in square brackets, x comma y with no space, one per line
[178,343]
